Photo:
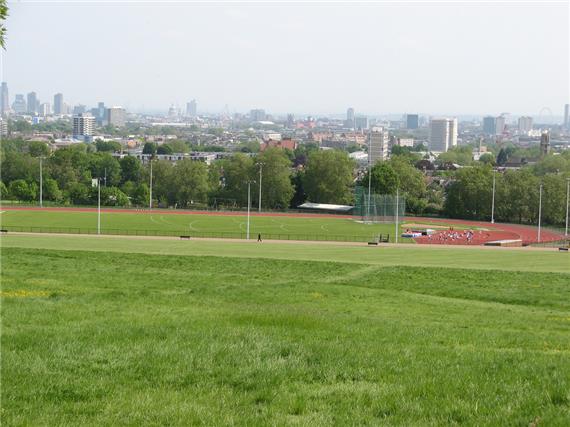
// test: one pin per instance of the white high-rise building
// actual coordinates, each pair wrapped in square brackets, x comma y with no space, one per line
[525,124]
[58,104]
[442,134]
[45,109]
[191,108]
[378,140]
[4,99]
[500,125]
[83,125]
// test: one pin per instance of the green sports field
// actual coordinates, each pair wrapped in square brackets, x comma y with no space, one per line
[200,225]
[141,331]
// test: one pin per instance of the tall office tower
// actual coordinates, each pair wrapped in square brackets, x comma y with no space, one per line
[544,143]
[79,109]
[489,125]
[58,104]
[412,121]
[360,123]
[4,100]
[83,125]
[525,124]
[45,109]
[102,112]
[290,121]
[500,125]
[257,115]
[442,134]
[19,105]
[116,116]
[566,118]
[378,140]
[192,108]
[350,118]
[32,103]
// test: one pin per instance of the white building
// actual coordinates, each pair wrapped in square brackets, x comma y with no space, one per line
[378,140]
[115,116]
[442,134]
[525,124]
[83,125]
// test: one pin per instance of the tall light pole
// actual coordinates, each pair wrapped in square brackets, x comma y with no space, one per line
[150,194]
[260,178]
[98,205]
[248,206]
[369,172]
[397,212]
[567,203]
[41,184]
[493,200]
[539,210]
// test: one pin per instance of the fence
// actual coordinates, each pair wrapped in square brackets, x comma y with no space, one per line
[562,243]
[200,234]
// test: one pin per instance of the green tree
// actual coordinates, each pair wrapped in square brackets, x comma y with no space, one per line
[141,195]
[164,149]
[384,179]
[78,193]
[149,148]
[111,196]
[3,191]
[21,190]
[107,146]
[469,195]
[130,169]
[38,149]
[105,166]
[328,177]
[177,146]
[236,171]
[411,183]
[51,190]
[3,16]
[277,190]
[190,180]
[487,158]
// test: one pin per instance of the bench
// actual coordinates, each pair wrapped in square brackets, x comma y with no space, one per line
[4,231]
[563,249]
[185,237]
[373,243]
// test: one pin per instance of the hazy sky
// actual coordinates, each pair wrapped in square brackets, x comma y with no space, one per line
[428,57]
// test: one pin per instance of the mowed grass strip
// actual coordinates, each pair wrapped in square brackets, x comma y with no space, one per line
[276,227]
[524,259]
[140,339]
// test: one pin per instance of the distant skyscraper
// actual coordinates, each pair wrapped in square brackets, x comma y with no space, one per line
[257,115]
[442,134]
[500,125]
[489,125]
[192,108]
[525,124]
[58,104]
[83,125]
[566,118]
[32,103]
[19,106]
[350,118]
[360,123]
[4,100]
[290,120]
[79,109]
[412,121]
[378,140]
[45,109]
[115,116]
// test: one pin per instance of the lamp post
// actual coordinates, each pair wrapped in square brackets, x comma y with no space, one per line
[150,194]
[98,205]
[567,203]
[539,210]
[260,164]
[41,184]
[369,173]
[493,200]
[397,212]
[248,205]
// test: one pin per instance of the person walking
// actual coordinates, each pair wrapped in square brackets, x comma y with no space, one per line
[259,237]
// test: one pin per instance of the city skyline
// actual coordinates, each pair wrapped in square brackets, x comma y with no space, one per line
[292,58]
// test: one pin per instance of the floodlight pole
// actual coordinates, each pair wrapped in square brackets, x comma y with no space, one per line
[539,211]
[397,212]
[567,203]
[493,201]
[260,178]
[369,173]
[98,205]
[41,184]
[248,206]
[150,194]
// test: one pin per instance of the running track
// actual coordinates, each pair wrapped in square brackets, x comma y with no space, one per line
[527,234]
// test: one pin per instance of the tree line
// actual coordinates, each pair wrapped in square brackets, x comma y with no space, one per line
[288,179]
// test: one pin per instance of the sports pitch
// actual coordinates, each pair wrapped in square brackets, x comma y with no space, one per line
[153,331]
[203,225]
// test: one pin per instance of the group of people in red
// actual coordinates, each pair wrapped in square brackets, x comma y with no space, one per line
[452,236]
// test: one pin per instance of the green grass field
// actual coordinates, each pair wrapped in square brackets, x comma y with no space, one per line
[276,227]
[115,331]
